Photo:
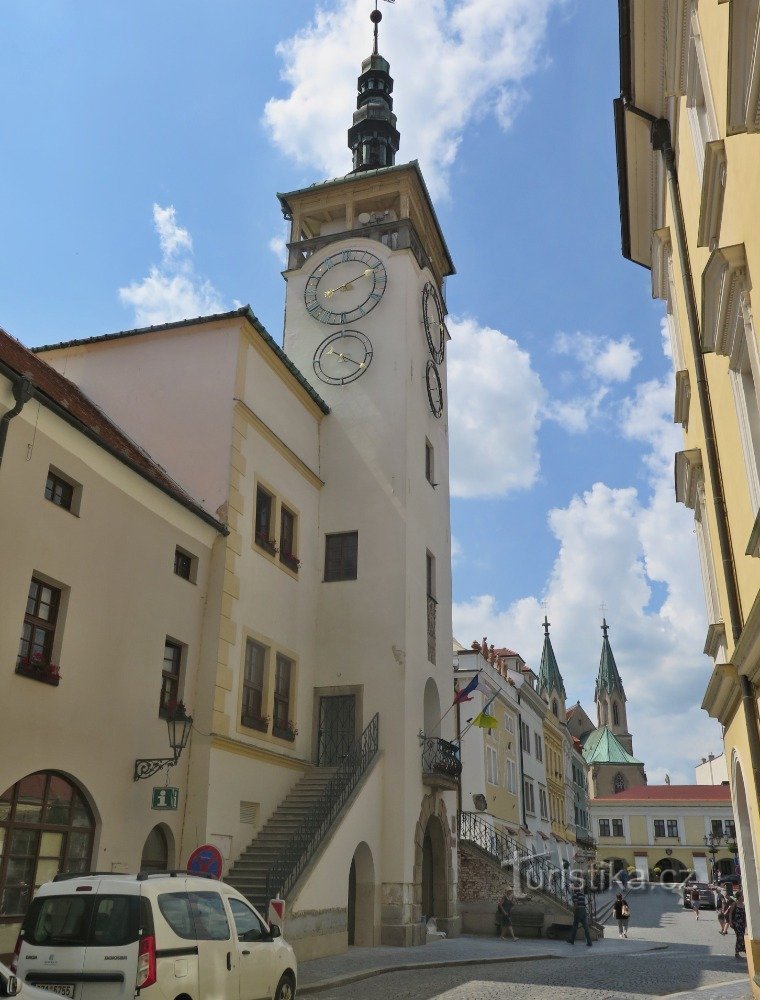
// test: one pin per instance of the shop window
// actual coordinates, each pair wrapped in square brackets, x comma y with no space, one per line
[46,827]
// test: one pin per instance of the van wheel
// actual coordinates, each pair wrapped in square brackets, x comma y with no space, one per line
[286,988]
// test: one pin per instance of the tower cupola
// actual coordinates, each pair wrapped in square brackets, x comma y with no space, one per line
[373,138]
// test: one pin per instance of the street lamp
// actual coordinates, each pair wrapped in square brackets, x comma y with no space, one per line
[179,724]
[712,843]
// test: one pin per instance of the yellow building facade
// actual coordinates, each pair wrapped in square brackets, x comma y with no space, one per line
[686,128]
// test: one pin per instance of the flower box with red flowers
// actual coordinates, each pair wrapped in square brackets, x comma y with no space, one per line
[289,560]
[267,544]
[38,669]
[284,730]
[260,722]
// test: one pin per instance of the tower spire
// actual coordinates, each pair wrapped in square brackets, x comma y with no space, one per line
[373,137]
[549,678]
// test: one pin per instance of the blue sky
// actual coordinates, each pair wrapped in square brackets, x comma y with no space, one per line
[143,146]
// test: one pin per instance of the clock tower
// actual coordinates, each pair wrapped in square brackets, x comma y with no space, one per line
[365,323]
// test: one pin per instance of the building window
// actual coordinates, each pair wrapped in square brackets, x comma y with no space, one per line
[699,104]
[282,724]
[744,374]
[252,711]
[528,794]
[618,783]
[617,828]
[717,827]
[525,736]
[430,574]
[604,828]
[170,676]
[288,539]
[263,524]
[542,802]
[615,714]
[672,828]
[492,766]
[429,463]
[659,828]
[743,67]
[707,563]
[539,747]
[46,827]
[555,708]
[59,490]
[35,654]
[511,779]
[184,564]
[509,723]
[730,829]
[341,556]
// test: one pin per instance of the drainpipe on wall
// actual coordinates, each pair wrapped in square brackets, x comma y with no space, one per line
[22,392]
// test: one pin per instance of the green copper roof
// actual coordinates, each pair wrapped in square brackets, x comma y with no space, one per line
[608,678]
[549,677]
[602,747]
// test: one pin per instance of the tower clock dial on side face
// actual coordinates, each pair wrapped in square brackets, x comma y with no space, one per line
[343,357]
[345,286]
[434,389]
[432,318]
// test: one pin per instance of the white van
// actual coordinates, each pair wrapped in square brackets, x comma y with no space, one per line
[160,936]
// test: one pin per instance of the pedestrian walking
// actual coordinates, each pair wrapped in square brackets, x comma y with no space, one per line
[580,917]
[504,914]
[624,878]
[739,924]
[695,901]
[621,911]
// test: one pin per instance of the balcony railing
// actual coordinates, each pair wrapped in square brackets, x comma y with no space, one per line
[396,235]
[441,762]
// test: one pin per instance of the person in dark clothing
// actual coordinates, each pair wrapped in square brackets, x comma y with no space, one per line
[504,915]
[580,917]
[621,912]
[739,924]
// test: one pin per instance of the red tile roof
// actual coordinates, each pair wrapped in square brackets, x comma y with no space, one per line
[672,793]
[57,393]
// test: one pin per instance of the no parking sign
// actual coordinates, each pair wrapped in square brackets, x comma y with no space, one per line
[205,860]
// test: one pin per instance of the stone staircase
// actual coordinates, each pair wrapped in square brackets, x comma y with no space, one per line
[249,873]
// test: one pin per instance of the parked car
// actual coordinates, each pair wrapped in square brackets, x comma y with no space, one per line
[164,935]
[11,986]
[706,895]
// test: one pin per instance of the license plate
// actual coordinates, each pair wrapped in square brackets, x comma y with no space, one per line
[62,989]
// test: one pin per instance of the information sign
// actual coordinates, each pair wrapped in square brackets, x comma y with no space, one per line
[165,798]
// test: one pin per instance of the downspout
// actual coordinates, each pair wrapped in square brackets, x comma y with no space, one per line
[22,392]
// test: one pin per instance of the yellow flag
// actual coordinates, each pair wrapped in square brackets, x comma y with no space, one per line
[485,721]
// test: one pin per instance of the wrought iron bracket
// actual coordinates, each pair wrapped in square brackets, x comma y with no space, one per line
[146,767]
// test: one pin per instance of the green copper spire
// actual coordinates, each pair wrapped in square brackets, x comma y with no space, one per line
[608,678]
[549,677]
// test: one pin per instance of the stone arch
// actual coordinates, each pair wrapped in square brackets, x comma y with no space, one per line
[158,849]
[433,863]
[361,898]
[671,870]
[432,709]
[745,842]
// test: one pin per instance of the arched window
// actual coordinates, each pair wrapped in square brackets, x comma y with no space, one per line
[615,714]
[155,855]
[555,708]
[47,827]
[618,783]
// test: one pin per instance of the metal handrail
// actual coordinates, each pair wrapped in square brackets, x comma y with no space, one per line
[283,874]
[441,757]
[536,871]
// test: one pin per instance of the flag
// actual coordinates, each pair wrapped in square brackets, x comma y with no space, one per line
[465,692]
[485,721]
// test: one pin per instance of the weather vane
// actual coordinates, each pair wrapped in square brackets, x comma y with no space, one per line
[376,17]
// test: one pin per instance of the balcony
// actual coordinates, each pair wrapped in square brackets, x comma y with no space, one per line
[441,763]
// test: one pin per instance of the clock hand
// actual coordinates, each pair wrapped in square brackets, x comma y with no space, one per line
[347,285]
[345,357]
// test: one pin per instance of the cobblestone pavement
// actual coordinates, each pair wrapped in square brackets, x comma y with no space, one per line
[667,952]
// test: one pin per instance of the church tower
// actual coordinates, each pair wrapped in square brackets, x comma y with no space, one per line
[550,684]
[365,322]
[609,695]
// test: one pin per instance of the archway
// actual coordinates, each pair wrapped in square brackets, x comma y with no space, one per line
[158,851]
[434,823]
[47,827]
[671,870]
[434,871]
[745,842]
[361,898]
[432,709]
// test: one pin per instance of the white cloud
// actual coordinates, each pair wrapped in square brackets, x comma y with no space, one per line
[601,358]
[452,61]
[575,415]
[495,401]
[637,556]
[171,290]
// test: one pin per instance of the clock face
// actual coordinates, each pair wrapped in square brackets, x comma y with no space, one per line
[343,357]
[432,318]
[345,286]
[434,389]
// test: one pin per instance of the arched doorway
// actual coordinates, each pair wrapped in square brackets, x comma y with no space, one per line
[616,866]
[46,827]
[361,898]
[156,854]
[434,865]
[671,870]
[432,709]
[747,854]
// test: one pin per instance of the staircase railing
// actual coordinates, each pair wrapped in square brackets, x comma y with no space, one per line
[535,871]
[283,874]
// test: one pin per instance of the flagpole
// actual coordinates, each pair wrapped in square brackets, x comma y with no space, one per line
[455,702]
[470,724]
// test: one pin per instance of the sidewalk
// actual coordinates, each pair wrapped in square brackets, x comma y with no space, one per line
[362,963]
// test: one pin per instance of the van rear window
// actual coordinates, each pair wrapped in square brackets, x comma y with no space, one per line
[77,921]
